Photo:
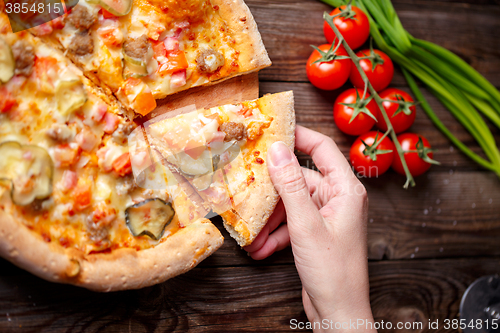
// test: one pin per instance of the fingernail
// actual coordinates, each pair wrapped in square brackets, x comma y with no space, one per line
[280,155]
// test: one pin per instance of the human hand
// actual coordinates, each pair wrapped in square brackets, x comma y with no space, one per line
[326,216]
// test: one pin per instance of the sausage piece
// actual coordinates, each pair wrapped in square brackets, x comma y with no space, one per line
[234,131]
[81,18]
[24,57]
[137,47]
[59,133]
[82,44]
[121,134]
[125,185]
[209,61]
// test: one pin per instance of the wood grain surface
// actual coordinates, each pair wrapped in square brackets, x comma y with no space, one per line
[426,244]
[233,299]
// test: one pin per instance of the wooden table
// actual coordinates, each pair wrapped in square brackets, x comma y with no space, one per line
[426,244]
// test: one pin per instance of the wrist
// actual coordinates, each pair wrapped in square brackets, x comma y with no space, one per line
[357,317]
[361,322]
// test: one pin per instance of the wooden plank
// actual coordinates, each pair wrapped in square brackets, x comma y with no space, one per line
[287,29]
[455,215]
[423,290]
[471,33]
[243,299]
[465,2]
[203,300]
[231,254]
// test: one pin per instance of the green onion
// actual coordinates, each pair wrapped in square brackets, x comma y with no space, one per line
[430,113]
[460,65]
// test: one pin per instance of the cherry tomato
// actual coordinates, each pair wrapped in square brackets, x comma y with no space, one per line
[355,30]
[342,114]
[416,164]
[365,165]
[328,75]
[380,77]
[401,121]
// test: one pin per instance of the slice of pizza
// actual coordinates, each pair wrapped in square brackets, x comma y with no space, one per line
[222,153]
[70,209]
[144,50]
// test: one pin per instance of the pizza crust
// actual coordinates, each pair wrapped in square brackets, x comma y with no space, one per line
[122,269]
[249,217]
[243,28]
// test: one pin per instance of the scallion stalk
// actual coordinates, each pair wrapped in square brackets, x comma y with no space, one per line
[460,65]
[430,113]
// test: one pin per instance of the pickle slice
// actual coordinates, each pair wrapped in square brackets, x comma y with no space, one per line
[29,169]
[203,182]
[70,96]
[195,167]
[133,67]
[149,218]
[7,63]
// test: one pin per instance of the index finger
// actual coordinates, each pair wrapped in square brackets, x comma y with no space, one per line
[324,152]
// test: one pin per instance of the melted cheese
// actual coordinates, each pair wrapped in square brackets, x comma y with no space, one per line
[177,134]
[196,24]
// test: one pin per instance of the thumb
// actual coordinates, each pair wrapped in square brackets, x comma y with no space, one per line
[288,179]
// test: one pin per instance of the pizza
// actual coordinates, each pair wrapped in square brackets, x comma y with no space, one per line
[69,201]
[143,50]
[91,197]
[221,153]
